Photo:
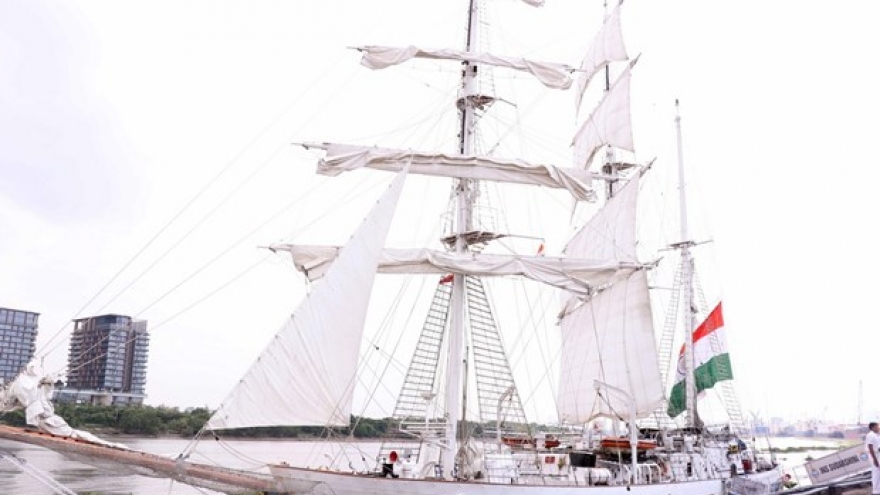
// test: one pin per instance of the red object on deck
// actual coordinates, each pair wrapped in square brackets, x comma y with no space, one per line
[549,442]
[623,444]
[517,441]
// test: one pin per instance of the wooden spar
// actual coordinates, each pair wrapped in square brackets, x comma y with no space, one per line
[212,477]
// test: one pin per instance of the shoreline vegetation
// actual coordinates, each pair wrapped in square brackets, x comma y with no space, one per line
[155,421]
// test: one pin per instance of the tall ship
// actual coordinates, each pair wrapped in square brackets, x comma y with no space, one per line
[624,392]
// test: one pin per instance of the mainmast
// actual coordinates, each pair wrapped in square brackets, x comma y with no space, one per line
[687,262]
[464,192]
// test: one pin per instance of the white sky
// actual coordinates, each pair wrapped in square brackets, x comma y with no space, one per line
[113,115]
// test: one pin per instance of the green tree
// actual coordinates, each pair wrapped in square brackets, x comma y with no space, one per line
[139,421]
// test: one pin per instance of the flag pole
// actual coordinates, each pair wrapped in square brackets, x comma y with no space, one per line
[687,264]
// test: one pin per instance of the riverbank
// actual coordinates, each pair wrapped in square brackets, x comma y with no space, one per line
[162,421]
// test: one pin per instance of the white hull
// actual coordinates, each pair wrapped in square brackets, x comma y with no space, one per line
[306,481]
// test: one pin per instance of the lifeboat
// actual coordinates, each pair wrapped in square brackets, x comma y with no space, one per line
[623,444]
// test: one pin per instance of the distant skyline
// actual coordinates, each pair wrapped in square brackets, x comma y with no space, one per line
[115,115]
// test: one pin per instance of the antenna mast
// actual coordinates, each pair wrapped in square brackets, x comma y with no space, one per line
[861,404]
[687,265]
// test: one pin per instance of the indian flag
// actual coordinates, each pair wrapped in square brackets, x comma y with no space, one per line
[711,360]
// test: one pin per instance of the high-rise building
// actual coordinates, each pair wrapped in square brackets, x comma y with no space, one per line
[18,335]
[107,362]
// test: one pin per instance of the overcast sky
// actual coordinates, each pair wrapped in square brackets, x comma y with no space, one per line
[115,115]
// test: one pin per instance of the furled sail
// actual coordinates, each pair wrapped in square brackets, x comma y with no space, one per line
[610,336]
[552,75]
[341,158]
[572,274]
[305,375]
[610,123]
[31,391]
[607,47]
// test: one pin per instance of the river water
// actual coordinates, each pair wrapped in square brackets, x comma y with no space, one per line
[246,454]
[105,480]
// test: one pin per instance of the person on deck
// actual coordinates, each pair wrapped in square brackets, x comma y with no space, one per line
[872,444]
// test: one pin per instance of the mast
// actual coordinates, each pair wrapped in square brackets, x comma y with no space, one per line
[687,262]
[456,382]
[611,167]
[608,168]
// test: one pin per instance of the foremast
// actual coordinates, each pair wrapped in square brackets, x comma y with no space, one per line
[609,334]
[456,385]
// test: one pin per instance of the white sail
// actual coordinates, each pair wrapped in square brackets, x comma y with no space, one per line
[342,158]
[535,3]
[610,123]
[607,47]
[610,233]
[610,337]
[552,75]
[577,276]
[306,373]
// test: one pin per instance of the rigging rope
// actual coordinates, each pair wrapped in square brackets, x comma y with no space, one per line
[36,473]
[182,210]
[287,109]
[195,227]
[277,214]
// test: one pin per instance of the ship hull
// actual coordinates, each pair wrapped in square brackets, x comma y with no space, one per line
[307,481]
[293,480]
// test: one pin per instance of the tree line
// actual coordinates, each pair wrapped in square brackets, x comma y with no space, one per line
[163,420]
